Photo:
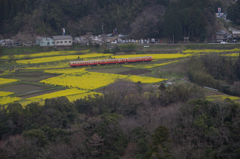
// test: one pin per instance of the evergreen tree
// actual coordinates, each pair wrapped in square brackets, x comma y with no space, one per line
[1,11]
[233,13]
[6,10]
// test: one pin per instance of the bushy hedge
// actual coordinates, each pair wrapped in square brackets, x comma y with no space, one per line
[197,73]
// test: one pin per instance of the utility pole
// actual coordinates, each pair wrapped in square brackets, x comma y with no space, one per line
[173,39]
[103,39]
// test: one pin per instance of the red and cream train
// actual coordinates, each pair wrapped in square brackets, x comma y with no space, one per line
[111,61]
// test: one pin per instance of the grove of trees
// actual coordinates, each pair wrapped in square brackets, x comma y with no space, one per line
[216,71]
[233,12]
[143,18]
[175,122]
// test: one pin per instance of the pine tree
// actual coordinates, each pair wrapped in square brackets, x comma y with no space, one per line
[12,12]
[5,9]
[1,11]
[162,87]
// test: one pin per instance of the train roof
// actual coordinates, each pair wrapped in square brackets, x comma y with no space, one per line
[110,59]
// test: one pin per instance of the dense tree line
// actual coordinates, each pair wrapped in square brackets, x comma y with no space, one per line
[233,12]
[139,19]
[216,71]
[189,19]
[174,122]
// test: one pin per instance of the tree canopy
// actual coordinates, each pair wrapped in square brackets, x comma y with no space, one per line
[233,12]
[143,18]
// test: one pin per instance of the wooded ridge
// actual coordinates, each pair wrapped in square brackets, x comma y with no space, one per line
[139,19]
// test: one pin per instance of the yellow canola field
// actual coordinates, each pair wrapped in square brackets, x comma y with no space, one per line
[150,65]
[94,80]
[67,92]
[57,65]
[2,93]
[190,51]
[66,71]
[80,96]
[72,95]
[7,72]
[60,58]
[155,56]
[52,53]
[234,54]
[6,80]
[222,97]
[8,99]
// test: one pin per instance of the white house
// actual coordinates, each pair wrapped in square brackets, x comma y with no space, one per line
[63,40]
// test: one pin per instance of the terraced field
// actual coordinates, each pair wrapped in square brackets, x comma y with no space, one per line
[36,77]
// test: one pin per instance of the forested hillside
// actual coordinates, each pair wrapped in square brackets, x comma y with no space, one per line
[142,18]
[234,13]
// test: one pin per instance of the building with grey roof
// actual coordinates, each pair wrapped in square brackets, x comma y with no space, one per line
[63,40]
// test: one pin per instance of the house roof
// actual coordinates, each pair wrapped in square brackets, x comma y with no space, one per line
[235,32]
[61,37]
[222,32]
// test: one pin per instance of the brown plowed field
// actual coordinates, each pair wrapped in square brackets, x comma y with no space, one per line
[22,88]
[39,93]
[134,72]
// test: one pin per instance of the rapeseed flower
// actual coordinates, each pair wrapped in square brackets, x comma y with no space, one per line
[6,80]
[155,56]
[8,99]
[42,54]
[191,51]
[94,80]
[72,95]
[66,71]
[60,58]
[66,92]
[2,93]
[58,65]
[150,65]
[234,54]
[83,95]
[7,72]
[213,97]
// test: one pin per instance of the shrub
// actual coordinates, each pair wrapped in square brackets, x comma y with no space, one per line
[197,73]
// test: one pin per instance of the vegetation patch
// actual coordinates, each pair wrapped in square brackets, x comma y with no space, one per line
[66,71]
[39,93]
[105,69]
[42,54]
[28,74]
[156,56]
[8,99]
[72,94]
[20,89]
[61,58]
[135,72]
[32,76]
[6,80]
[3,93]
[94,80]
[222,97]
[150,65]
[224,50]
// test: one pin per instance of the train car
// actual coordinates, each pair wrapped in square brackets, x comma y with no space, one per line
[139,59]
[84,63]
[111,61]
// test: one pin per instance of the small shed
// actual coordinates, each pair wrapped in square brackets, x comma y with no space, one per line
[236,34]
[44,41]
[63,40]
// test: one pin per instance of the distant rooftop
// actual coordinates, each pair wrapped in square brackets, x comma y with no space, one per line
[222,32]
[235,32]
[61,37]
